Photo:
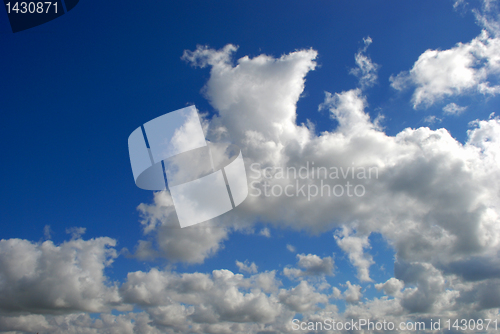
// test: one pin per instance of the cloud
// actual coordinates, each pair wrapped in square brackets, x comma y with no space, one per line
[47,232]
[366,70]
[245,267]
[392,287]
[302,298]
[354,246]
[265,232]
[453,109]
[464,69]
[50,278]
[432,119]
[76,232]
[219,297]
[353,293]
[192,244]
[311,265]
[291,248]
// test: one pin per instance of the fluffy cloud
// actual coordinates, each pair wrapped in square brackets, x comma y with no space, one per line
[168,240]
[353,246]
[311,265]
[49,278]
[466,68]
[176,300]
[392,287]
[353,293]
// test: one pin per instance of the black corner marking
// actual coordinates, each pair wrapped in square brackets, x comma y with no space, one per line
[28,14]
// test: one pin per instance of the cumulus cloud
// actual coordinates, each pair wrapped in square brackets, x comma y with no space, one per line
[52,278]
[465,68]
[311,265]
[392,287]
[353,293]
[167,240]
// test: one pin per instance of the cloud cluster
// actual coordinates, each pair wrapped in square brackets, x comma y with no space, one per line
[434,199]
[49,278]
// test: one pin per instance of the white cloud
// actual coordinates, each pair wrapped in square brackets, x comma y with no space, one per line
[453,109]
[432,119]
[353,293]
[391,287]
[291,248]
[311,265]
[465,68]
[192,244]
[76,232]
[47,233]
[245,267]
[265,232]
[302,298]
[63,278]
[354,247]
[366,70]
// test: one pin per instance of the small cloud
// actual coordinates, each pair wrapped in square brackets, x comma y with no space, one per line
[313,265]
[265,232]
[245,267]
[459,4]
[291,248]
[76,232]
[366,70]
[432,119]
[392,287]
[47,232]
[453,109]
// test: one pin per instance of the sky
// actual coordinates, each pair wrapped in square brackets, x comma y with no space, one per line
[408,90]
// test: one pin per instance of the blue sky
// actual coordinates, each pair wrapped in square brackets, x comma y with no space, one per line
[408,87]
